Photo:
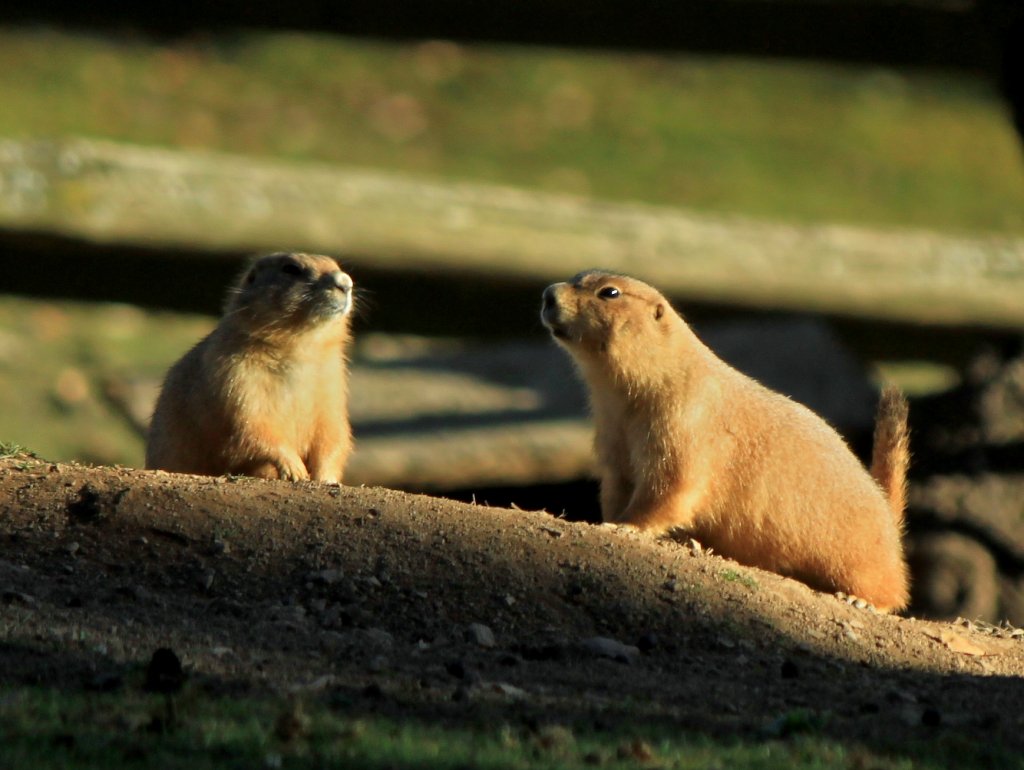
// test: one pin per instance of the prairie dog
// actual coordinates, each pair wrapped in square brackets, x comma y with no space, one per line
[266,392]
[685,441]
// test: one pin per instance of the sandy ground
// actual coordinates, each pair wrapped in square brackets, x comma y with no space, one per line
[428,609]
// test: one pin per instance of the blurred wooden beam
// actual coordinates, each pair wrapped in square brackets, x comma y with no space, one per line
[112,193]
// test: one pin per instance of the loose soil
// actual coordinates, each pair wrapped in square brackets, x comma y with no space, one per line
[370,598]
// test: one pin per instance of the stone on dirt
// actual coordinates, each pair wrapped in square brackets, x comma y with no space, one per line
[605,647]
[480,635]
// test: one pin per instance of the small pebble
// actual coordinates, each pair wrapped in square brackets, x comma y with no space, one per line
[373,638]
[325,576]
[480,635]
[318,605]
[605,647]
[509,691]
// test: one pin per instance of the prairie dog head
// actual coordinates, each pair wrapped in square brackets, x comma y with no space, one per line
[292,291]
[610,322]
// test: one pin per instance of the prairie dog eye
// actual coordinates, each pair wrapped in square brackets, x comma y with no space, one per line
[290,268]
[609,292]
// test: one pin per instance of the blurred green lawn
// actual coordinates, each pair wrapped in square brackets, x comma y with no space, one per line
[797,141]
[57,361]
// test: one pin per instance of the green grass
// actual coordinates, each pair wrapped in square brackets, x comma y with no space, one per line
[43,729]
[10,449]
[798,141]
[56,361]
[736,576]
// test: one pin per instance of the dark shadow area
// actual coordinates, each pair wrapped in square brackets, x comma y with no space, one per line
[1009,560]
[573,500]
[55,267]
[983,458]
[958,34]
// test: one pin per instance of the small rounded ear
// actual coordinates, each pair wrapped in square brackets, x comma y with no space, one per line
[659,311]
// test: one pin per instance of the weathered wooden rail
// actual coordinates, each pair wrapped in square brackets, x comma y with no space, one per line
[112,193]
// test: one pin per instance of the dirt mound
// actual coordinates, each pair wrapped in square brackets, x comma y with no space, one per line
[442,610]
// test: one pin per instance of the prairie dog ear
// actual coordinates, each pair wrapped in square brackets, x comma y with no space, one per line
[659,311]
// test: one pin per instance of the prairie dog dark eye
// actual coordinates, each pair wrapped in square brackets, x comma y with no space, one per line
[290,268]
[250,279]
[609,292]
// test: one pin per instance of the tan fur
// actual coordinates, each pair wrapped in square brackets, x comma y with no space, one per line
[683,440]
[266,392]
[890,455]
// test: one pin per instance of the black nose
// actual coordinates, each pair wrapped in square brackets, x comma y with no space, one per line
[549,297]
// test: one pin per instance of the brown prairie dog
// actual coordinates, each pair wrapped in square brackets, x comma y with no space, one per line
[683,440]
[266,392]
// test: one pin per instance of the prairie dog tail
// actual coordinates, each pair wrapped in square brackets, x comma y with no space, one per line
[890,454]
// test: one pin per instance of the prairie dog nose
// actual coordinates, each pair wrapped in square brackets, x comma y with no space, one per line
[549,296]
[341,281]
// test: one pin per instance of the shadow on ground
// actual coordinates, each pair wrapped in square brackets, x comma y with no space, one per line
[366,600]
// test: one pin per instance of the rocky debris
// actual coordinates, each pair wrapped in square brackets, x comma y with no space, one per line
[362,642]
[605,647]
[504,689]
[325,577]
[480,635]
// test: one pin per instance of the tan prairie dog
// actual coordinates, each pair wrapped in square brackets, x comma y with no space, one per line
[685,441]
[266,392]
